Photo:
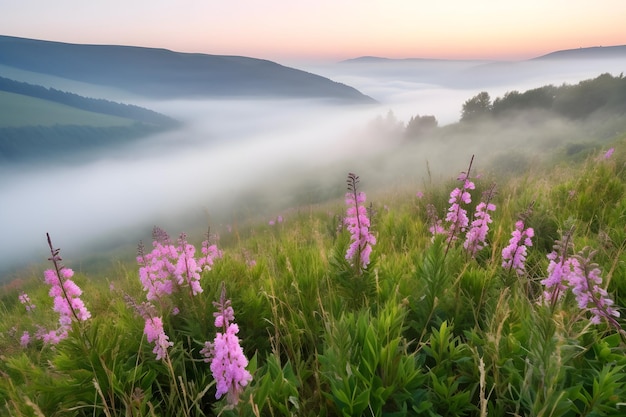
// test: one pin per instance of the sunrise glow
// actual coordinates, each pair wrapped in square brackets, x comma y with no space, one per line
[328,30]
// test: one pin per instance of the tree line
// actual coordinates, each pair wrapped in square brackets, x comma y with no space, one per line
[606,93]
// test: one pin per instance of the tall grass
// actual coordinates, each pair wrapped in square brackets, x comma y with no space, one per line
[429,325]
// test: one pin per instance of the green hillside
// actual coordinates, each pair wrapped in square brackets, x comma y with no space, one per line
[18,110]
[424,325]
[38,122]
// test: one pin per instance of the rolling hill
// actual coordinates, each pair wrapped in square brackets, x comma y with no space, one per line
[557,67]
[594,52]
[165,74]
[20,110]
[38,122]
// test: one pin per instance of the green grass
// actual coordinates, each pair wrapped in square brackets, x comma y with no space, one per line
[20,110]
[423,330]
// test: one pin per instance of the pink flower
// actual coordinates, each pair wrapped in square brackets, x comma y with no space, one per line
[457,215]
[228,362]
[436,227]
[156,267]
[25,300]
[210,254]
[477,234]
[357,222]
[168,267]
[25,339]
[608,153]
[153,329]
[66,299]
[54,337]
[224,316]
[419,194]
[514,255]
[187,271]
[578,274]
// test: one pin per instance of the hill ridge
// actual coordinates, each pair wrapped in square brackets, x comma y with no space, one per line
[591,52]
[162,73]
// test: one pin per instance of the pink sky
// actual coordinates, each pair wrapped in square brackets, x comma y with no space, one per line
[289,30]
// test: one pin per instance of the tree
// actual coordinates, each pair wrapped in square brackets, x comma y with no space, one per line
[388,126]
[420,125]
[477,107]
[538,98]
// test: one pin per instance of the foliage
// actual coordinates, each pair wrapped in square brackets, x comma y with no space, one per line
[419,126]
[477,107]
[605,93]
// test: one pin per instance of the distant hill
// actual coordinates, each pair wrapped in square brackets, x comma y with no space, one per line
[567,66]
[378,59]
[38,122]
[596,52]
[161,73]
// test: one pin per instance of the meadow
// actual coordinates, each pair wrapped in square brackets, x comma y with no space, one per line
[20,110]
[479,295]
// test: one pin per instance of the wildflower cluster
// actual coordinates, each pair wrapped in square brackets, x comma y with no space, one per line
[66,295]
[228,362]
[358,224]
[165,269]
[66,300]
[514,255]
[584,278]
[168,266]
[447,303]
[457,220]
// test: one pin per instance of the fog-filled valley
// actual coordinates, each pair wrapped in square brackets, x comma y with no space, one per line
[248,159]
[204,235]
[227,153]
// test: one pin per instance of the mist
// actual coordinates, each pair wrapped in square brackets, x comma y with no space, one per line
[226,149]
[277,151]
[440,87]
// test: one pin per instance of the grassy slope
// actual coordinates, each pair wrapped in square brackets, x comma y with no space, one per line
[19,110]
[302,314]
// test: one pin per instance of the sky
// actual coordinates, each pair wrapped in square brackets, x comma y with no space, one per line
[326,30]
